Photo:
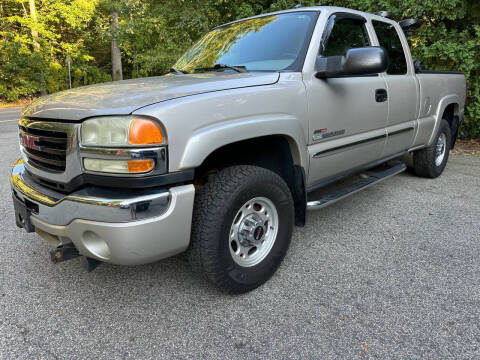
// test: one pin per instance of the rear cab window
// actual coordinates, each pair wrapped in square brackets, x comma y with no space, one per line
[389,39]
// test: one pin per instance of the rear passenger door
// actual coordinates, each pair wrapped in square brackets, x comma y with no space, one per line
[402,88]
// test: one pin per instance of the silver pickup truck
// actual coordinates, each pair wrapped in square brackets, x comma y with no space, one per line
[220,158]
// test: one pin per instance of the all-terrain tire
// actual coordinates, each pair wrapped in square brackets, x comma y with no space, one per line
[216,207]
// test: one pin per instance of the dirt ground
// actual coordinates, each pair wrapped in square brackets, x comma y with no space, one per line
[19,103]
[467,147]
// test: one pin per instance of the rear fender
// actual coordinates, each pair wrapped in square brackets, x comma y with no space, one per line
[442,105]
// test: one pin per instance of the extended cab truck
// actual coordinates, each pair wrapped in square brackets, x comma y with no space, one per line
[218,158]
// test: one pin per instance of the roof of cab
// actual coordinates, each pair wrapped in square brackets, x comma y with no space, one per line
[328,9]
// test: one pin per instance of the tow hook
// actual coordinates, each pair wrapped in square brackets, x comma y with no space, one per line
[63,253]
[69,252]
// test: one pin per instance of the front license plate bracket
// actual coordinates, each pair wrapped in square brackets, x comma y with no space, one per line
[22,215]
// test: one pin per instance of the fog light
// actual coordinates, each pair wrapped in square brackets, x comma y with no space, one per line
[119,166]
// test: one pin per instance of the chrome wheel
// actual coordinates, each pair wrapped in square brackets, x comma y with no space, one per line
[440,149]
[253,232]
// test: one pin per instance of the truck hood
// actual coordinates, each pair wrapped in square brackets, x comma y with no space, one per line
[124,97]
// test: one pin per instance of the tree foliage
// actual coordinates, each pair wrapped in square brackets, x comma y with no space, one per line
[153,34]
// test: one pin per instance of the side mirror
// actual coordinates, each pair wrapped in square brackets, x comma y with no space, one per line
[358,61]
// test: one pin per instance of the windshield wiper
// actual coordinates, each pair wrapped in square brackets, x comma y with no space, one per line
[176,71]
[240,69]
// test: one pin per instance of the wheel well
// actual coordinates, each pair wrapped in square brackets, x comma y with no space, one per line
[451,115]
[271,152]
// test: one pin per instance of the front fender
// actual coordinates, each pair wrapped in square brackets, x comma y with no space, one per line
[206,140]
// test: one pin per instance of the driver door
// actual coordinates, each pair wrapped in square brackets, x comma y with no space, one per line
[347,118]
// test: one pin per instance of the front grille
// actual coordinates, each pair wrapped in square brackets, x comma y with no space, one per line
[44,149]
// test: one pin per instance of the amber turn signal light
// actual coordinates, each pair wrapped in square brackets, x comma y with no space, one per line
[144,132]
[140,166]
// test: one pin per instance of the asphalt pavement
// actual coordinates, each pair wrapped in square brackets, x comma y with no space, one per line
[9,115]
[392,272]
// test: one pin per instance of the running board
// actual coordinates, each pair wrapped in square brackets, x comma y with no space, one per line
[374,177]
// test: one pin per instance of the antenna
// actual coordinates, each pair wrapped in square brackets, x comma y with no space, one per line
[298,6]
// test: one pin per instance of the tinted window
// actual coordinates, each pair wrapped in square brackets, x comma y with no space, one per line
[268,43]
[346,34]
[388,38]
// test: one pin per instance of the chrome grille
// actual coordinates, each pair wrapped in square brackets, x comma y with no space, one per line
[45,149]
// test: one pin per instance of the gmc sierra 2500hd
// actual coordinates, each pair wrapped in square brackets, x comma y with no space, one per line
[218,157]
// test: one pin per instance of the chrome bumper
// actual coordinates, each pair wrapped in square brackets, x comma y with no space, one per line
[126,231]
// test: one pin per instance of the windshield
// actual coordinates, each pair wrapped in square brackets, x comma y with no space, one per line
[269,43]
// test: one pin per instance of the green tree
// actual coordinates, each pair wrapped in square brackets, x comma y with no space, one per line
[35,40]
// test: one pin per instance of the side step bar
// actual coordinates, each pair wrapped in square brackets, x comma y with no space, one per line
[374,176]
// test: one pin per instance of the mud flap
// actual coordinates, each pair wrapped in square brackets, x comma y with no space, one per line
[455,124]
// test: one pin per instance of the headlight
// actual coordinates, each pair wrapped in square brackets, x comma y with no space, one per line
[121,131]
[123,145]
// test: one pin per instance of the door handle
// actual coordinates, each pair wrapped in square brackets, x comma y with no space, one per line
[381,95]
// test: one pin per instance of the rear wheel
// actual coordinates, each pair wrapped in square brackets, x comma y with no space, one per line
[431,161]
[242,225]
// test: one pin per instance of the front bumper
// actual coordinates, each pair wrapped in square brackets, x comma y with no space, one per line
[136,228]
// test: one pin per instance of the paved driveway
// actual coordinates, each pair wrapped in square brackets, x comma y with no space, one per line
[9,115]
[392,272]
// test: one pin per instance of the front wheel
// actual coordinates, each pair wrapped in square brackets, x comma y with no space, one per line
[431,161]
[242,225]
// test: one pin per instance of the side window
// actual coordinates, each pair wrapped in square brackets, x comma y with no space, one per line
[345,35]
[388,38]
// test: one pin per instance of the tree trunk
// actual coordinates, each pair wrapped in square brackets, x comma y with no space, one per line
[36,44]
[33,14]
[117,73]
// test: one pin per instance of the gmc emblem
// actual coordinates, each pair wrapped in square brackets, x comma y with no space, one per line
[29,141]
